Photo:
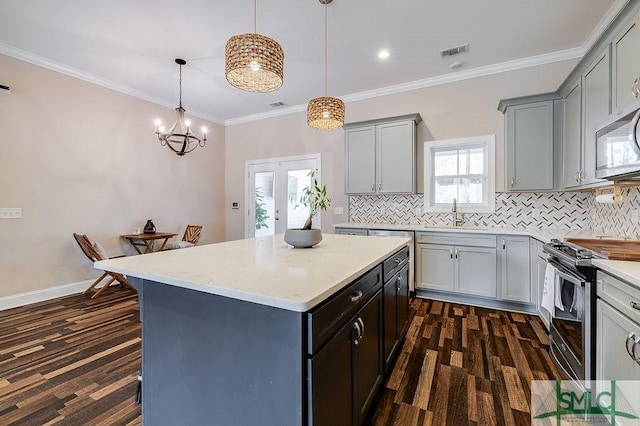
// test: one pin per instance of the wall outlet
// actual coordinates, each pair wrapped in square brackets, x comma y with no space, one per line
[10,213]
[535,213]
[634,215]
[338,210]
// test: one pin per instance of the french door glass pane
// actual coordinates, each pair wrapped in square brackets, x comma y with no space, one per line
[264,204]
[297,214]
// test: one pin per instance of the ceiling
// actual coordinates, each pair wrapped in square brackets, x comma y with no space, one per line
[130,46]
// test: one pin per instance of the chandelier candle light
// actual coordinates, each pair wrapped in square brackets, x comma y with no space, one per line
[325,113]
[179,138]
[253,62]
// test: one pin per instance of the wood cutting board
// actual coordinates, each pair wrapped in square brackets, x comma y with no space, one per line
[611,249]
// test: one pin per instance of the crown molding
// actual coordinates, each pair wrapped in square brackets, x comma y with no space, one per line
[88,77]
[604,23]
[502,67]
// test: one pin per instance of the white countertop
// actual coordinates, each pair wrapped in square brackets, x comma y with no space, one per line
[263,270]
[623,269]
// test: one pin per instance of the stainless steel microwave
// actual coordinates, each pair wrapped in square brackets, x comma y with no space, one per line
[617,146]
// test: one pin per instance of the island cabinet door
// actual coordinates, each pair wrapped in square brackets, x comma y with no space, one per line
[368,362]
[330,380]
[390,320]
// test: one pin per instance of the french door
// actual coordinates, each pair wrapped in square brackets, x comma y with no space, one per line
[274,188]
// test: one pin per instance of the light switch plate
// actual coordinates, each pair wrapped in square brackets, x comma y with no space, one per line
[10,213]
[338,210]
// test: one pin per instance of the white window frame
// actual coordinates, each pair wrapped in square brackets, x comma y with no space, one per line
[489,143]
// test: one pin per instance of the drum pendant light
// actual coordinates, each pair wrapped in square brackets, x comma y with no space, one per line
[325,113]
[254,62]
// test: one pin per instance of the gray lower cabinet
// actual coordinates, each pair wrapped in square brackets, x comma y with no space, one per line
[459,269]
[514,269]
[541,268]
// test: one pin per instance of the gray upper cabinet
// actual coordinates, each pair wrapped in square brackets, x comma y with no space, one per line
[596,94]
[380,156]
[571,132]
[529,146]
[625,68]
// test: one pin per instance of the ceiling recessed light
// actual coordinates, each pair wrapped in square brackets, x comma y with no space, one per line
[456,65]
[383,54]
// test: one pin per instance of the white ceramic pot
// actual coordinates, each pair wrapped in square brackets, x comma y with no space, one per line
[302,237]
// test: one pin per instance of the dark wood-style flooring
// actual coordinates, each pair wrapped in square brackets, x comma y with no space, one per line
[75,361]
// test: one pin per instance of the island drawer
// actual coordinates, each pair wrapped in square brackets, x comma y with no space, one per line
[394,263]
[324,321]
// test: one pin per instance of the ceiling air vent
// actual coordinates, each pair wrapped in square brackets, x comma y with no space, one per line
[277,104]
[5,89]
[454,50]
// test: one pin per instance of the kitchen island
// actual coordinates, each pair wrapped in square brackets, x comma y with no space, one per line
[256,332]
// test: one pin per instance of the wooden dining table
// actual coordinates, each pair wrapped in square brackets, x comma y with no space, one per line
[146,242]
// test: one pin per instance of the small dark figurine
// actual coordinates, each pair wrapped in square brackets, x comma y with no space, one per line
[149,228]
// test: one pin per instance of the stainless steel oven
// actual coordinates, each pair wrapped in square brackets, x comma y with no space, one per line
[573,320]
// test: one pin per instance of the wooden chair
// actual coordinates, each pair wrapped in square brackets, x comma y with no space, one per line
[189,239]
[95,253]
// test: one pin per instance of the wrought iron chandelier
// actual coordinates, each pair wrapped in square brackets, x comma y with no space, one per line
[254,62]
[325,113]
[179,138]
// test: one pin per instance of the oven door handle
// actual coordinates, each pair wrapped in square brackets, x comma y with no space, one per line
[630,338]
[569,277]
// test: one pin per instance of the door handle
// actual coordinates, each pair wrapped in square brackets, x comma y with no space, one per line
[361,328]
[356,341]
[631,338]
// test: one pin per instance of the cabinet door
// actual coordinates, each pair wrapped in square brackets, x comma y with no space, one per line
[530,146]
[571,145]
[330,380]
[402,284]
[612,360]
[434,267]
[475,271]
[390,296]
[595,110]
[360,160]
[626,62]
[368,363]
[396,157]
[542,312]
[514,266]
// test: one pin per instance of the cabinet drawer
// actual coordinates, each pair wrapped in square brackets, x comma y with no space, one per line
[351,231]
[326,320]
[393,264]
[621,295]
[456,239]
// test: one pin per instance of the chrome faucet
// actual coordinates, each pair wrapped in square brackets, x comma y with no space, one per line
[457,221]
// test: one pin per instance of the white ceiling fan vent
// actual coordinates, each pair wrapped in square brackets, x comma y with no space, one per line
[454,50]
[277,104]
[5,89]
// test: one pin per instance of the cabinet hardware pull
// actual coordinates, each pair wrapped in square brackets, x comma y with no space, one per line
[635,357]
[356,341]
[513,181]
[398,260]
[451,253]
[361,328]
[379,186]
[635,305]
[630,337]
[504,244]
[456,253]
[577,175]
[373,187]
[356,296]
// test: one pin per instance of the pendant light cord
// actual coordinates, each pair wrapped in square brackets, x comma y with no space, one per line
[325,50]
[180,86]
[255,16]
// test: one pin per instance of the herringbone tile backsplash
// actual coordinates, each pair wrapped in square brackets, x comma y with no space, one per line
[557,210]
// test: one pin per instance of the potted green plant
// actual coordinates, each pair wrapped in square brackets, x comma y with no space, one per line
[315,198]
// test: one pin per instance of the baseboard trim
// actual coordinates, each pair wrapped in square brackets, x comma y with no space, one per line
[16,300]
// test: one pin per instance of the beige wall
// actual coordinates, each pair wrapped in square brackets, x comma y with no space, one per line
[77,157]
[460,109]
